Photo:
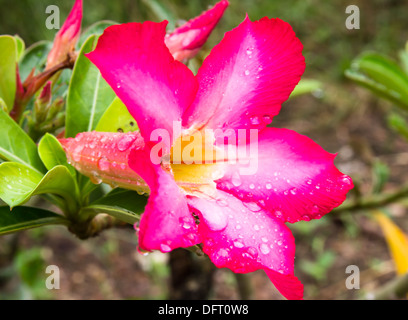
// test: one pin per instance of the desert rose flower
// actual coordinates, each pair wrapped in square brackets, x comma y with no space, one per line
[238,213]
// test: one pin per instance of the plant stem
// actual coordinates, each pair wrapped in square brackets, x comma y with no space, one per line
[373,202]
[395,289]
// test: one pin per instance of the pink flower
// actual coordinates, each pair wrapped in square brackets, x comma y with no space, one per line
[185,41]
[239,218]
[67,37]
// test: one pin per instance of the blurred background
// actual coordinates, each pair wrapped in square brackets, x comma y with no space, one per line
[339,115]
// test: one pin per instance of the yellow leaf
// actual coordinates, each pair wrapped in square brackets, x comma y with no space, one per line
[397,241]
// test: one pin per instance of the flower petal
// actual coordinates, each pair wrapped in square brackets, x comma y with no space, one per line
[247,76]
[136,63]
[184,42]
[295,178]
[244,238]
[167,222]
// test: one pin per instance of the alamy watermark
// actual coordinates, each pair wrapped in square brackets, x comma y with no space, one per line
[206,146]
[353,20]
[53,280]
[353,280]
[53,20]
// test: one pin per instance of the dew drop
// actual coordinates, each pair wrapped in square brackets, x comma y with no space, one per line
[103,164]
[165,247]
[306,217]
[247,72]
[256,227]
[255,121]
[293,191]
[238,244]
[125,143]
[264,248]
[252,186]
[264,239]
[249,51]
[236,179]
[268,186]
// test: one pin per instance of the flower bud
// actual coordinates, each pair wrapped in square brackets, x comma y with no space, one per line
[67,37]
[185,42]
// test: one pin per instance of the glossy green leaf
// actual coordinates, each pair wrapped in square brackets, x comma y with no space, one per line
[52,154]
[34,57]
[399,124]
[117,118]
[20,47]
[8,65]
[161,12]
[22,218]
[403,55]
[16,145]
[18,183]
[95,29]
[125,205]
[306,86]
[381,75]
[88,95]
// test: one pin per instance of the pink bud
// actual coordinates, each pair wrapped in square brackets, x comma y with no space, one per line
[185,41]
[67,37]
[103,157]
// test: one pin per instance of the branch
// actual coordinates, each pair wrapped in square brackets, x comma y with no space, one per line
[395,289]
[373,202]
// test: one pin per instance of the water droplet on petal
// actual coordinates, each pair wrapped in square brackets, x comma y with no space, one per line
[165,247]
[252,186]
[268,186]
[256,227]
[255,121]
[236,179]
[238,244]
[246,72]
[249,51]
[126,142]
[264,248]
[293,191]
[103,164]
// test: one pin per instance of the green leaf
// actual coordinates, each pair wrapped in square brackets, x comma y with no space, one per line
[381,75]
[116,118]
[20,47]
[23,218]
[8,66]
[306,86]
[399,124]
[18,183]
[16,145]
[34,57]
[125,205]
[381,173]
[161,12]
[52,154]
[95,29]
[88,95]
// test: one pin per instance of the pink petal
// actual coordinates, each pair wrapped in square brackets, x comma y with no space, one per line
[247,76]
[185,41]
[103,157]
[295,178]
[136,63]
[66,37]
[244,238]
[167,222]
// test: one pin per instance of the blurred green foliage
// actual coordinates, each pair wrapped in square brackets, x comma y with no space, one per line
[319,24]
